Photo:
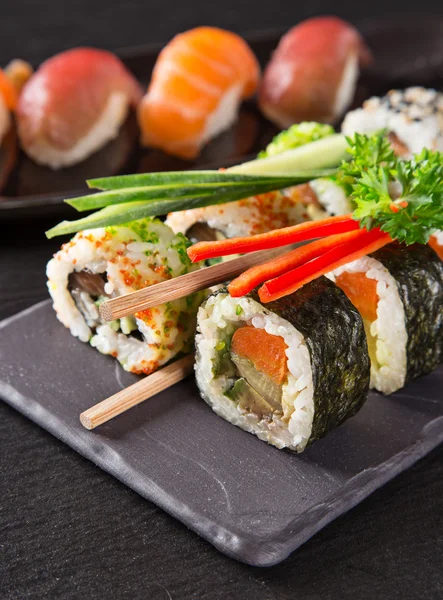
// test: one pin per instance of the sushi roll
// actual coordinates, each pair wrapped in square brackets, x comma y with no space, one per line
[258,214]
[398,291]
[313,73]
[73,105]
[290,371]
[198,83]
[104,263]
[412,117]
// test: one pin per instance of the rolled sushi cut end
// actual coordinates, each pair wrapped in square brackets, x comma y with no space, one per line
[398,291]
[288,373]
[413,119]
[258,214]
[107,262]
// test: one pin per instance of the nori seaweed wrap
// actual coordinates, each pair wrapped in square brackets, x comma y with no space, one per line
[399,292]
[289,371]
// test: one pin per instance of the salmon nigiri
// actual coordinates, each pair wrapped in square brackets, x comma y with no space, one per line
[197,85]
[312,74]
[73,105]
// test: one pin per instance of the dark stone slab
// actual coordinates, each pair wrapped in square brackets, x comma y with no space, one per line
[253,502]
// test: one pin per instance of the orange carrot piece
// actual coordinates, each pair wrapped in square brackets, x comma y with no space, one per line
[361,291]
[273,239]
[8,91]
[266,351]
[436,246]
[345,253]
[251,278]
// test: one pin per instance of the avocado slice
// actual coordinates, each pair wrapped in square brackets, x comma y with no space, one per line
[248,399]
[270,391]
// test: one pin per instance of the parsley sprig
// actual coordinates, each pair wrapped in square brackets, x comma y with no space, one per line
[402,198]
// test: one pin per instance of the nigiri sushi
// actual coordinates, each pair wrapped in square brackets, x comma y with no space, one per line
[312,74]
[73,105]
[412,117]
[197,85]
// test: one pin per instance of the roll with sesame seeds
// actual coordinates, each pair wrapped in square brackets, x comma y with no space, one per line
[412,117]
[101,263]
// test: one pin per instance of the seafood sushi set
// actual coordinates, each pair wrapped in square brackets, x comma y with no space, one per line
[297,293]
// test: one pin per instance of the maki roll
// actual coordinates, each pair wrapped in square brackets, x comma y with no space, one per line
[398,291]
[289,372]
[104,263]
[412,117]
[258,214]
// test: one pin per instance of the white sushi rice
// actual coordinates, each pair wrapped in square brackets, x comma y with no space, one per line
[215,317]
[106,128]
[242,218]
[346,89]
[224,115]
[332,197]
[259,214]
[130,257]
[415,115]
[387,335]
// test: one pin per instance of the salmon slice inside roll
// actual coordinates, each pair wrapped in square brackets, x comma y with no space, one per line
[290,371]
[399,293]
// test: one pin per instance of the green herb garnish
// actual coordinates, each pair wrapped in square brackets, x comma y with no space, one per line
[402,198]
[297,135]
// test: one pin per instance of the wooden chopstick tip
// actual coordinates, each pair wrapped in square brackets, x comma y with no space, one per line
[105,311]
[86,422]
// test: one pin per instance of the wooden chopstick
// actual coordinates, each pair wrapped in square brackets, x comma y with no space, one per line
[137,393]
[128,304]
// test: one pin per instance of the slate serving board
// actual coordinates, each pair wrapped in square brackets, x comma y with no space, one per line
[253,502]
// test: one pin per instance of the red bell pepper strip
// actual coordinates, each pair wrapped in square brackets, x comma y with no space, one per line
[251,278]
[273,239]
[345,253]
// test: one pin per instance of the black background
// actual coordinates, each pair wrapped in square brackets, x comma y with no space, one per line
[68,530]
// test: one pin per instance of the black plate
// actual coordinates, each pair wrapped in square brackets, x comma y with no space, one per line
[407,52]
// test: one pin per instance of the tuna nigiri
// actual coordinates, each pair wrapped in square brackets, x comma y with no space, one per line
[197,85]
[73,105]
[313,72]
